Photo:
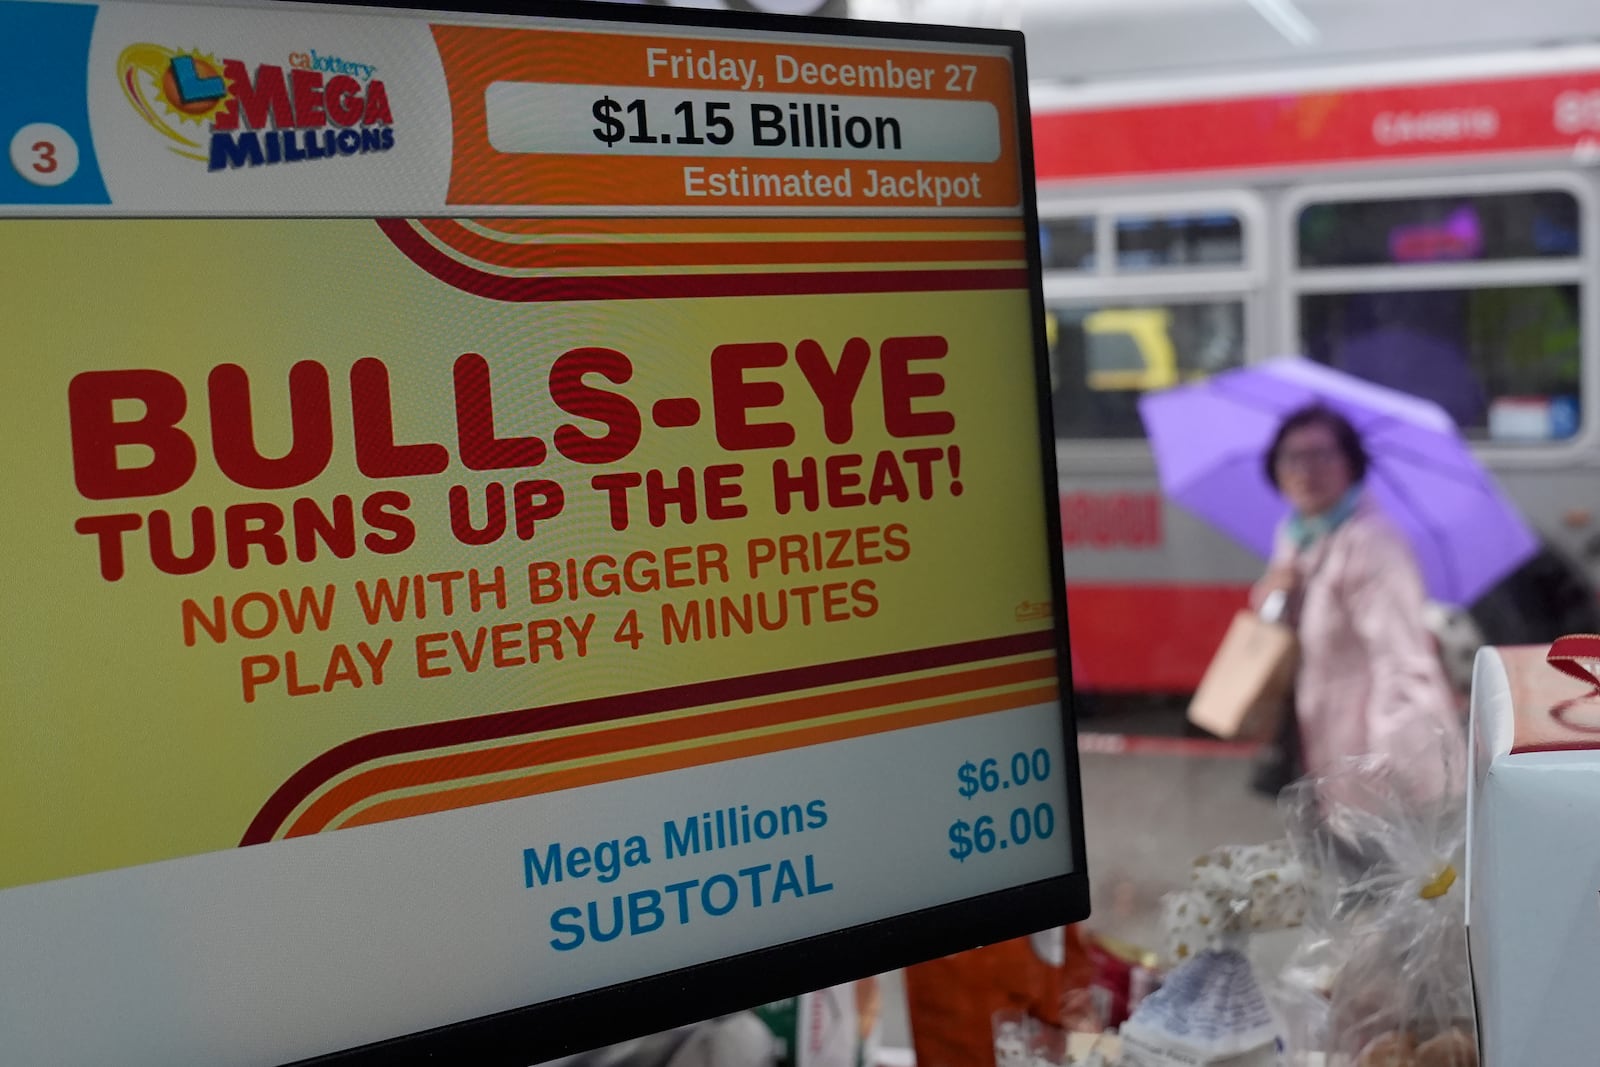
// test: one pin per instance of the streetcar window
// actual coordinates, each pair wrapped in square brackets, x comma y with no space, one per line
[1151,242]
[1439,229]
[1067,244]
[1103,358]
[1114,353]
[1503,361]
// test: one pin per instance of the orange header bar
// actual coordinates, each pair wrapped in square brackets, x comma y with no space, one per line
[554,117]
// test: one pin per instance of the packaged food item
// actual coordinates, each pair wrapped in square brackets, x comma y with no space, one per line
[1211,1012]
[1024,1040]
[1533,859]
[952,1002]
[1453,1048]
[1211,1009]
[1123,976]
[1144,979]
[1386,935]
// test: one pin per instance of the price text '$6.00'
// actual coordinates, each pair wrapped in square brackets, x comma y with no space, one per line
[982,837]
[1026,768]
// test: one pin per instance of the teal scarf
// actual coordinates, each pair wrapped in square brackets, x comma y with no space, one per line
[1305,531]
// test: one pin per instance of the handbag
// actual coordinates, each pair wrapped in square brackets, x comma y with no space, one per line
[1245,690]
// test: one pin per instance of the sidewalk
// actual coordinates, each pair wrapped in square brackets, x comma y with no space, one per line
[1149,811]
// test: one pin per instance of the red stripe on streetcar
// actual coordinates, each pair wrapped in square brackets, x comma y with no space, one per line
[1118,648]
[1551,113]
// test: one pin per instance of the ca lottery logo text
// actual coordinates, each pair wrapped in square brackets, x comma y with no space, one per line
[228,116]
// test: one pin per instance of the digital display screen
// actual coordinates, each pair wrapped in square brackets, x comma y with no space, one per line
[513,518]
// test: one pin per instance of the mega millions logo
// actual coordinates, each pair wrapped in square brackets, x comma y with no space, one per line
[228,116]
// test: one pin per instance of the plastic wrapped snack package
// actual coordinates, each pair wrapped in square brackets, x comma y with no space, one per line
[1242,887]
[1302,994]
[1301,997]
[1211,1010]
[1386,938]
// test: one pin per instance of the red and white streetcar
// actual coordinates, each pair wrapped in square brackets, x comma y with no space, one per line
[1434,225]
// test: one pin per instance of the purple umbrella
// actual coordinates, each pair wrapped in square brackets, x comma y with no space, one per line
[1210,438]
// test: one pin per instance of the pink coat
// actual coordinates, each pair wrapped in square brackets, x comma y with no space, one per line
[1370,679]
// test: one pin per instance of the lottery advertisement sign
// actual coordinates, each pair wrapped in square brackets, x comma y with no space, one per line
[515,517]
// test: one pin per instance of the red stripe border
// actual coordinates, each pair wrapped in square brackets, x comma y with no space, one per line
[324,768]
[659,286]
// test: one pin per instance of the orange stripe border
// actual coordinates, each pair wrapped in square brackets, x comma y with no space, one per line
[273,818]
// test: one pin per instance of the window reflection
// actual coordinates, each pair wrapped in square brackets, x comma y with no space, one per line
[1102,359]
[1503,361]
[1149,242]
[1439,229]
[1067,244]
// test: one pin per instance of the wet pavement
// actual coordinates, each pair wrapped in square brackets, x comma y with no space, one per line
[1147,816]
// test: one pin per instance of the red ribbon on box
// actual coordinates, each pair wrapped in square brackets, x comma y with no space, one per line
[1572,655]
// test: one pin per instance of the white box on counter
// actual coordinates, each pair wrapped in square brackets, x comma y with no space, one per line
[1533,861]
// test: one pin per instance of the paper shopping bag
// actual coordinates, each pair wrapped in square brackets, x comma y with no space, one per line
[1246,688]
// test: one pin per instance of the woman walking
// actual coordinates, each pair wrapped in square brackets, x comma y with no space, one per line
[1370,679]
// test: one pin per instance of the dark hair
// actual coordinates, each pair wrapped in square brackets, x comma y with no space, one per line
[1349,441]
